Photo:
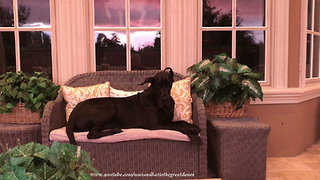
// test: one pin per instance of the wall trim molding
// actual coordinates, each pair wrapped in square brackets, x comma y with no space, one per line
[288,95]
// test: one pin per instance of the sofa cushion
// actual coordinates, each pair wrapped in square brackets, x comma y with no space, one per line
[127,135]
[73,96]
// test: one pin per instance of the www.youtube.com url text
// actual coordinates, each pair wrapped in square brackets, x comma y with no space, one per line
[152,174]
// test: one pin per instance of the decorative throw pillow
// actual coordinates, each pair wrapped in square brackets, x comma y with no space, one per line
[181,94]
[73,96]
[120,93]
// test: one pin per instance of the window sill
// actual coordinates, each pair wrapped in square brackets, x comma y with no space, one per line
[288,95]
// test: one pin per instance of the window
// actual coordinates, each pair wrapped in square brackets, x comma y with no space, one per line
[313,40]
[127,34]
[238,28]
[25,36]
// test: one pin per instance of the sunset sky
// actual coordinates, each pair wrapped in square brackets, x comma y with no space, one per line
[144,13]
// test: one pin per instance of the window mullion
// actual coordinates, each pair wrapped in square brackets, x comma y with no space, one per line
[128,35]
[234,33]
[163,61]
[16,34]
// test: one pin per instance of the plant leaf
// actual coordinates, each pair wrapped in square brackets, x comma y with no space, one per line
[253,75]
[19,173]
[244,97]
[253,88]
[38,105]
[9,105]
[243,69]
[204,64]
[41,151]
[220,57]
[43,84]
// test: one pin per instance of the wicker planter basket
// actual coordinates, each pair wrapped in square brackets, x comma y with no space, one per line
[225,110]
[20,115]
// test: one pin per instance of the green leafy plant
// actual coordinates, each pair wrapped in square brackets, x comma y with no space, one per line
[224,79]
[35,90]
[36,161]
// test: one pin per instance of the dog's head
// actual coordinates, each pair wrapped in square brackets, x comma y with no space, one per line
[161,85]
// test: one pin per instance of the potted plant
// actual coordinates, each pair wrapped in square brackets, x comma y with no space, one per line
[224,81]
[36,161]
[22,94]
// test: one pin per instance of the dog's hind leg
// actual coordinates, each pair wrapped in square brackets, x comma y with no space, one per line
[95,134]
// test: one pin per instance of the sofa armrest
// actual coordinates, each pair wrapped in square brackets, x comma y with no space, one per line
[54,116]
[199,118]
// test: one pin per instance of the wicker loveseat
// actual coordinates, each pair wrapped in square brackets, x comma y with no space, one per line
[138,156]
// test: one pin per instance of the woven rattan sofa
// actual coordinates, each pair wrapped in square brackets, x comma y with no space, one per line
[138,156]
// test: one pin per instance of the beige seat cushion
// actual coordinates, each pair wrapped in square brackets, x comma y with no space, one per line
[126,135]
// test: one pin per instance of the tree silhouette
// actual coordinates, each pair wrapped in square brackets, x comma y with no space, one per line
[249,51]
[110,53]
[150,55]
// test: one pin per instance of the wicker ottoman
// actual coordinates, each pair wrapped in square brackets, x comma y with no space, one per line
[237,148]
[9,133]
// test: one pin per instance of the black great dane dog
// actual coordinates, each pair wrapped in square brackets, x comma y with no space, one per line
[152,109]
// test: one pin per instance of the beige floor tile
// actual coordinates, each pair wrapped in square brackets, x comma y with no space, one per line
[286,164]
[306,166]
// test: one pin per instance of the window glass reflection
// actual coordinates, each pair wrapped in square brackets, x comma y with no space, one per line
[250,49]
[7,52]
[110,50]
[109,13]
[317,16]
[216,42]
[250,13]
[145,13]
[217,13]
[34,13]
[308,60]
[145,50]
[316,54]
[35,52]
[310,14]
[6,13]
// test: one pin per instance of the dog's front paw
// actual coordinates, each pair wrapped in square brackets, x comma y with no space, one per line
[195,129]
[195,139]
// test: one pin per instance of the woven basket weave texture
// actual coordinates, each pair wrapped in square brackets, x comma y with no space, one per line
[225,110]
[20,115]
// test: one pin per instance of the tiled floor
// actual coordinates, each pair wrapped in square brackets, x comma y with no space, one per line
[305,166]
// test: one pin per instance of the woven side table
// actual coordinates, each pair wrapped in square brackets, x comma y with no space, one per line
[237,148]
[9,133]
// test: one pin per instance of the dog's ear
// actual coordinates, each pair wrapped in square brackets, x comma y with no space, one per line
[149,79]
[170,71]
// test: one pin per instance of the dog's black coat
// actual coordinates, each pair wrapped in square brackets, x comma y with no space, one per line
[152,109]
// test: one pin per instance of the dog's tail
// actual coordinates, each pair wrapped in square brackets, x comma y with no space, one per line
[69,130]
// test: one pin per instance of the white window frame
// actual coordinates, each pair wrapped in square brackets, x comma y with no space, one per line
[126,29]
[16,29]
[233,28]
